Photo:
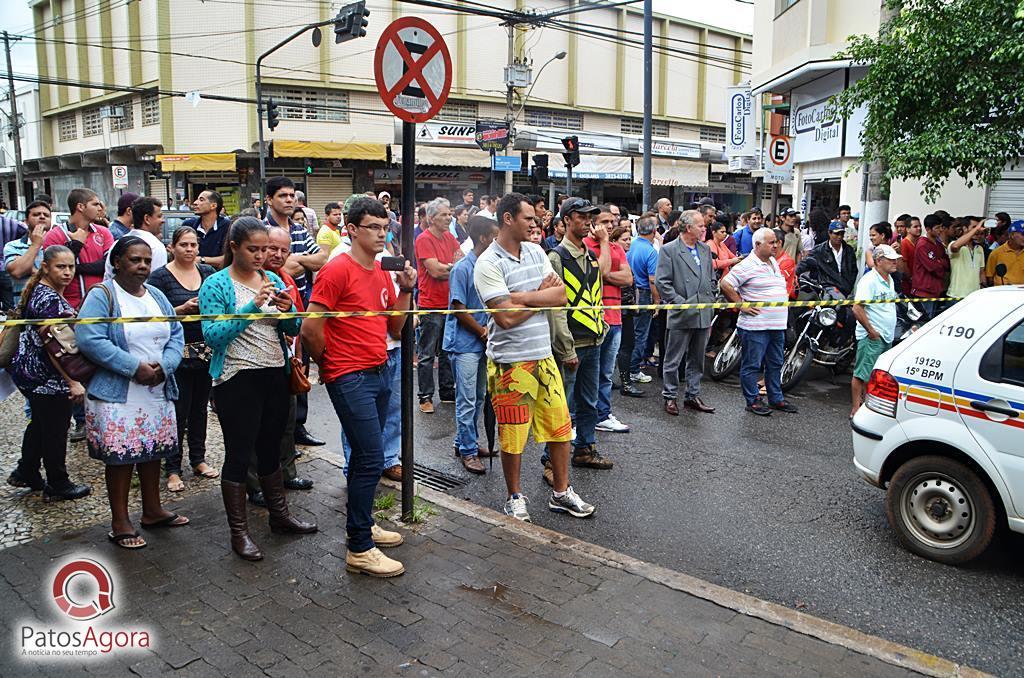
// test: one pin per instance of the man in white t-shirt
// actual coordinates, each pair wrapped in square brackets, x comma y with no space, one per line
[148,222]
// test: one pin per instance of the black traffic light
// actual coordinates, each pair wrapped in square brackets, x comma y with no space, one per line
[351,22]
[572,150]
[273,115]
[540,167]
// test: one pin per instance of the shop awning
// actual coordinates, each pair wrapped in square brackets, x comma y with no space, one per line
[197,162]
[446,157]
[669,172]
[285,148]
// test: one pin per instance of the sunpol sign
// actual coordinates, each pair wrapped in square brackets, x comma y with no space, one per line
[83,590]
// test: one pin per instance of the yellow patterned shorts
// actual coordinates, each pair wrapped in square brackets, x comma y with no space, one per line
[528,395]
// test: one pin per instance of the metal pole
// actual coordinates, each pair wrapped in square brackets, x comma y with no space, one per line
[508,102]
[15,127]
[408,336]
[490,186]
[259,126]
[568,180]
[648,97]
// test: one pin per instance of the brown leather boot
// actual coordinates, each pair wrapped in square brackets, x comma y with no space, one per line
[238,521]
[277,503]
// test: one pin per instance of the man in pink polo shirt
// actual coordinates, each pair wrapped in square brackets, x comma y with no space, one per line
[88,241]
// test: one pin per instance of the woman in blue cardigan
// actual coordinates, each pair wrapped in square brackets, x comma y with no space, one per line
[129,412]
[250,378]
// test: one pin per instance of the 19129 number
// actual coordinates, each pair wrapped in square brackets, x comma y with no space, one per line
[957,331]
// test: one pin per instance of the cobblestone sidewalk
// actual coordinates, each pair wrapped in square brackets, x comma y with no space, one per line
[477,599]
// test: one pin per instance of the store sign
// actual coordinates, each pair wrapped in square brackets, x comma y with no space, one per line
[739,132]
[394,176]
[551,140]
[675,149]
[779,168]
[507,163]
[605,167]
[727,187]
[819,132]
[491,135]
[441,133]
[742,163]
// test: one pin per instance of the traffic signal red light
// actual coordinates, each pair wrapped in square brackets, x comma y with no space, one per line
[572,150]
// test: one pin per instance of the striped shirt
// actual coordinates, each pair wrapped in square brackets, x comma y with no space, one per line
[756,280]
[302,243]
[498,274]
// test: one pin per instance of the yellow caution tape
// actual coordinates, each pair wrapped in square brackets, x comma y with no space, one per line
[448,311]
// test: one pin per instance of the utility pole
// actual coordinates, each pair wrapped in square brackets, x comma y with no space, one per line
[509,112]
[15,126]
[648,98]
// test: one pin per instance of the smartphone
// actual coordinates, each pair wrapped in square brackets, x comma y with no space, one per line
[392,263]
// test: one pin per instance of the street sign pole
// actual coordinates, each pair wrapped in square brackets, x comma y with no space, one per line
[408,336]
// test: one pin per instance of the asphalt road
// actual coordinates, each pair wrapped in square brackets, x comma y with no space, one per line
[768,506]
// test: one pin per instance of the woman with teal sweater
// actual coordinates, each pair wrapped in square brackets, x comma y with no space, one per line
[250,378]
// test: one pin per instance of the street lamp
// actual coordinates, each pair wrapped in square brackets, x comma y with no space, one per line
[557,57]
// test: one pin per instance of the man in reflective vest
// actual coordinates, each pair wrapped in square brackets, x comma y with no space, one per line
[578,331]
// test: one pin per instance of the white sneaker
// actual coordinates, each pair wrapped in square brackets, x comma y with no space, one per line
[570,503]
[516,507]
[612,425]
[641,378]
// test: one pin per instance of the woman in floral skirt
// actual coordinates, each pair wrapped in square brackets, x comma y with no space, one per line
[129,413]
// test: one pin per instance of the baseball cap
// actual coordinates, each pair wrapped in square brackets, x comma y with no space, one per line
[1016,226]
[380,196]
[886,252]
[351,199]
[578,205]
[790,212]
[836,226]
[125,201]
[855,215]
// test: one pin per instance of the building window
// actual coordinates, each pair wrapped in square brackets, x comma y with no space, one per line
[538,117]
[659,128]
[713,134]
[127,120]
[310,104]
[67,125]
[92,122]
[459,111]
[151,109]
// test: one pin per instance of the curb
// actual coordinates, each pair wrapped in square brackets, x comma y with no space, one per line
[773,613]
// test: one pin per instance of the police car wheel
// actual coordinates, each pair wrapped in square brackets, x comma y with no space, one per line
[941,510]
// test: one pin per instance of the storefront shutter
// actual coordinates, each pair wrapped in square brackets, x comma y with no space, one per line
[1007,194]
[328,185]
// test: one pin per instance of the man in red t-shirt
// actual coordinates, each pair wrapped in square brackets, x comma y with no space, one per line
[618,274]
[907,247]
[88,241]
[931,265]
[437,250]
[352,354]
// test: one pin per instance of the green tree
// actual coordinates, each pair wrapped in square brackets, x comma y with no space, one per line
[944,90]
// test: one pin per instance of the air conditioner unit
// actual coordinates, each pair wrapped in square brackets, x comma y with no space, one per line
[111,111]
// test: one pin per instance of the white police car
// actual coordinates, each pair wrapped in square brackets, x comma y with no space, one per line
[942,428]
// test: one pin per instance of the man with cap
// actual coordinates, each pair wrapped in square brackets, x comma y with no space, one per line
[1010,255]
[578,332]
[123,222]
[834,261]
[876,323]
[792,243]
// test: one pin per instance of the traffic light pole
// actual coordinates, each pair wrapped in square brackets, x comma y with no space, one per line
[568,180]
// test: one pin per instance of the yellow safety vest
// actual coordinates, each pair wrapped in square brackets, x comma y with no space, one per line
[582,288]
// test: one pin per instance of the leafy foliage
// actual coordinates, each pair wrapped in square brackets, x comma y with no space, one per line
[944,89]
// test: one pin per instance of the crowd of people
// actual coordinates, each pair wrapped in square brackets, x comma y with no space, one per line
[539,347]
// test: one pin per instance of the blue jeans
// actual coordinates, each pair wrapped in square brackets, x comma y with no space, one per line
[431,335]
[641,328]
[470,370]
[581,387]
[393,425]
[609,351]
[361,401]
[767,348]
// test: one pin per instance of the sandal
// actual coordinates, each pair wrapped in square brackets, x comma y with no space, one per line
[120,540]
[173,520]
[208,473]
[175,485]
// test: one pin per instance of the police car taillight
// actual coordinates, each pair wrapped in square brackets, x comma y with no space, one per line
[883,393]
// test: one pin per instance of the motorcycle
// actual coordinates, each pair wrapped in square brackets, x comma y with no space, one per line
[724,349]
[819,335]
[908,321]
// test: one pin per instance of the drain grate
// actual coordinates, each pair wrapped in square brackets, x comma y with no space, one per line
[436,480]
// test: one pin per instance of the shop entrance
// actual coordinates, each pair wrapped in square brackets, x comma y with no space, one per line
[823,194]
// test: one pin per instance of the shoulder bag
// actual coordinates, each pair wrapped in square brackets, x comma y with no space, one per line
[9,341]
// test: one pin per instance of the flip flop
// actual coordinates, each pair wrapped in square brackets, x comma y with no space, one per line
[176,487]
[208,473]
[173,520]
[120,540]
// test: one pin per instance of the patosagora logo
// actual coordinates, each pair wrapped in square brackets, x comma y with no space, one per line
[83,610]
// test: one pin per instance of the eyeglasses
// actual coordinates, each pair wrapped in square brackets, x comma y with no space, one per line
[375,228]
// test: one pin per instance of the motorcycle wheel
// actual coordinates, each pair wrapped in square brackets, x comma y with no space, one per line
[727,359]
[794,368]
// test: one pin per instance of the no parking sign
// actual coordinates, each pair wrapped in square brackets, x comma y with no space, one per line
[413,69]
[779,168]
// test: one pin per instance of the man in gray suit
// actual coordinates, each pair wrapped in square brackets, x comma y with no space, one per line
[685,276]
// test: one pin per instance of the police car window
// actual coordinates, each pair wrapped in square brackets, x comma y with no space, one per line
[1013,356]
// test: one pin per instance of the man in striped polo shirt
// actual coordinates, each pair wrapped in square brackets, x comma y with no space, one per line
[762,330]
[522,376]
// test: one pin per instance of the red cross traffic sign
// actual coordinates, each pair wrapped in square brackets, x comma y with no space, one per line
[413,69]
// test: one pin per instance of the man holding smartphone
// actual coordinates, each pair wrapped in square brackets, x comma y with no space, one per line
[352,353]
